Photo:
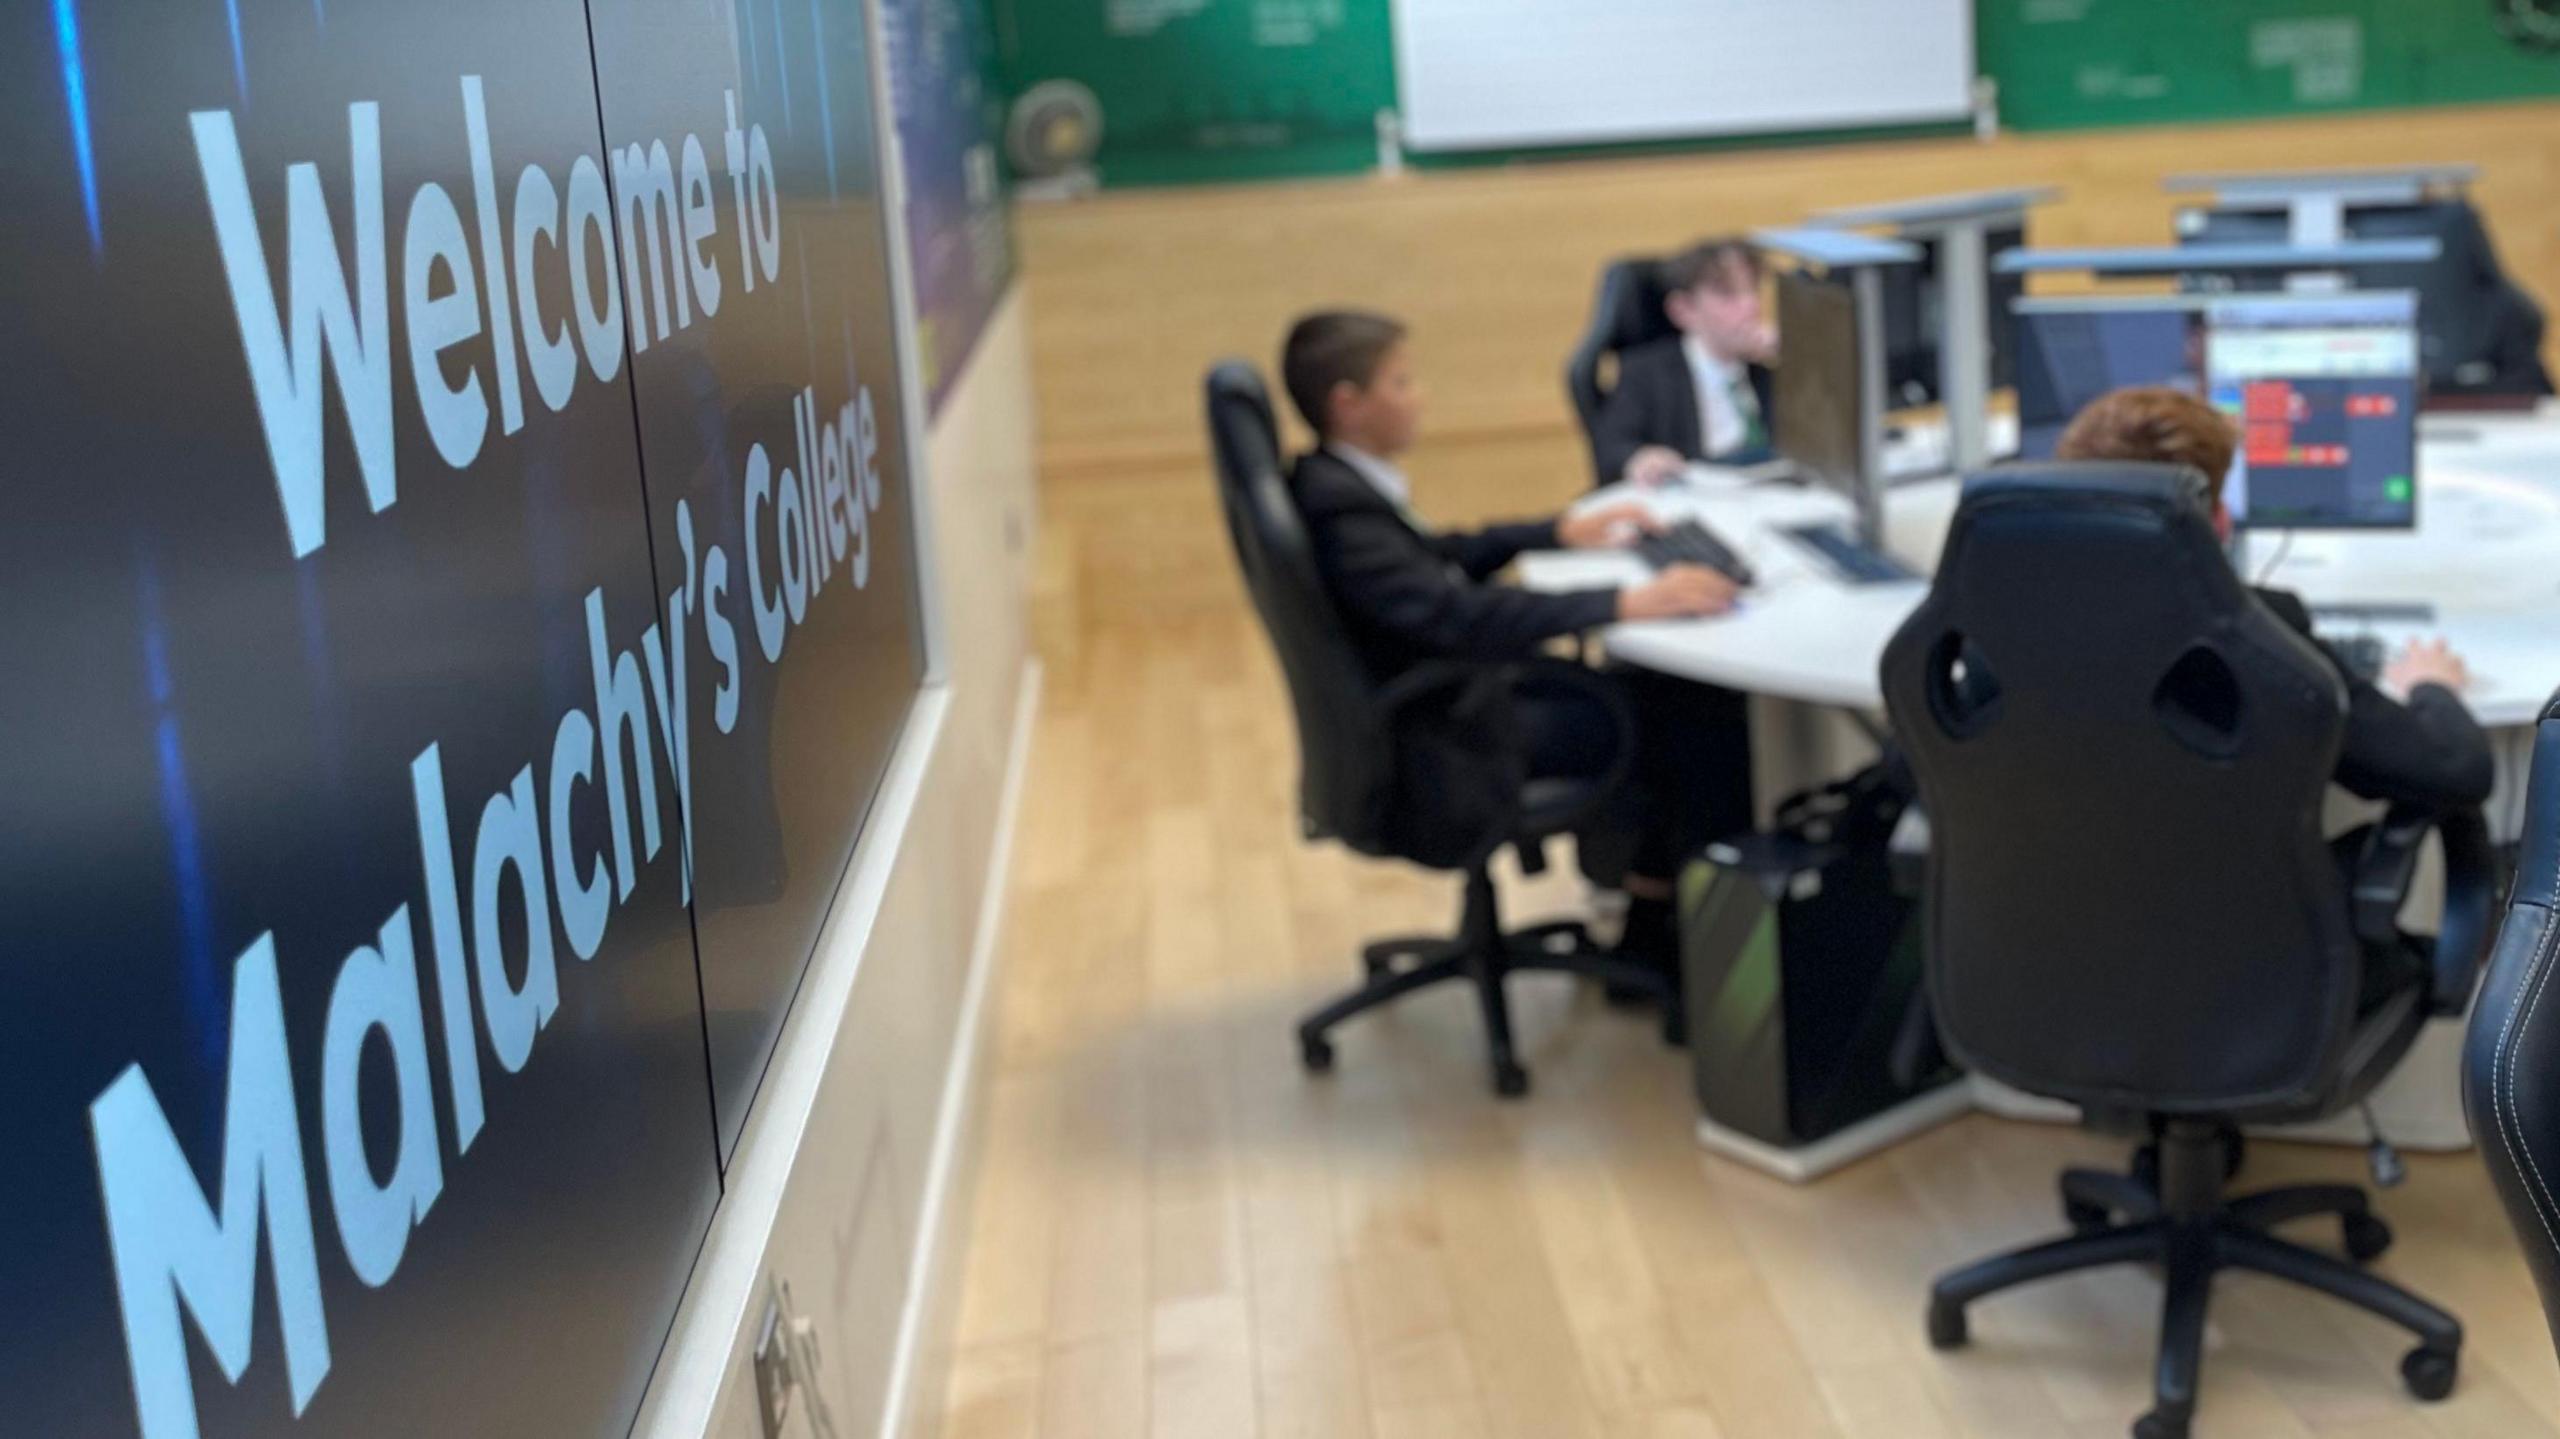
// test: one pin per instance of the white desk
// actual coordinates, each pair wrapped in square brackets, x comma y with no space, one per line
[2486,555]
[1799,634]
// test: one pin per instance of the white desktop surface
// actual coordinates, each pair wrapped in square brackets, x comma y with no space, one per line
[2485,554]
[1797,634]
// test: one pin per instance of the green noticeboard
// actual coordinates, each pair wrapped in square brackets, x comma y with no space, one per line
[2063,63]
[1212,89]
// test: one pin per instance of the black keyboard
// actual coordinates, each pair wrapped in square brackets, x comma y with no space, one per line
[1691,543]
[2407,612]
[2364,656]
[1852,561]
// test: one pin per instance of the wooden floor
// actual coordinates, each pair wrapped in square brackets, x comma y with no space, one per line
[1179,1235]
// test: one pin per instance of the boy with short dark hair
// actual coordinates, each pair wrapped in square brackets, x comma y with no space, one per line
[1704,394]
[1411,594]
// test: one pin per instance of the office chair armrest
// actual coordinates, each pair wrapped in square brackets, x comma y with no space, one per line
[1479,683]
[2383,875]
[1591,684]
[1481,687]
[1464,688]
[2470,908]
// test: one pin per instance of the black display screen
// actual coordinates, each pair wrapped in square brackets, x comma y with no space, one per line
[383,589]
[768,431]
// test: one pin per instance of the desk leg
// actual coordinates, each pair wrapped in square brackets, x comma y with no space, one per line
[1796,746]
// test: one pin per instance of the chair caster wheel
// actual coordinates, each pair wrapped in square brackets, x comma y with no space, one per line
[2367,1238]
[1947,1327]
[1316,1053]
[1510,1081]
[2086,1218]
[2430,1373]
[2157,1425]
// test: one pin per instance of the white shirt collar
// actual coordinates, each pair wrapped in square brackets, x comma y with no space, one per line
[1705,360]
[1722,426]
[1383,477]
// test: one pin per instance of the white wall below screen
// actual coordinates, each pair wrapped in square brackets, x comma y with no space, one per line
[858,1146]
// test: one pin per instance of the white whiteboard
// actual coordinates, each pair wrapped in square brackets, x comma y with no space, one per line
[1483,74]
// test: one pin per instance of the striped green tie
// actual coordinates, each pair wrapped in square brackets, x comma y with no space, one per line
[1755,435]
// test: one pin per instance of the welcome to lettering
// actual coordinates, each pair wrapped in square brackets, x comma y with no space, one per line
[449,295]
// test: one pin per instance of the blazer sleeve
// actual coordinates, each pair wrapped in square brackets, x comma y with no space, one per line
[2429,752]
[1379,576]
[1484,553]
[1627,424]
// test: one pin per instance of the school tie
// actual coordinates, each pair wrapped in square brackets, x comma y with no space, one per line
[1746,403]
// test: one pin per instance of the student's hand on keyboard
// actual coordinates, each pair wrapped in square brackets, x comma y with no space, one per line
[2425,662]
[1677,593]
[1610,527]
[1656,465]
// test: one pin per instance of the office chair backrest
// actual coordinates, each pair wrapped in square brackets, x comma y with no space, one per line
[2511,1064]
[1344,752]
[1627,312]
[2122,755]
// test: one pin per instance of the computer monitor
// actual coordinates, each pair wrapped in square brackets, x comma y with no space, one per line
[1915,319]
[1820,425]
[2323,389]
[2326,392]
[2069,352]
[2471,313]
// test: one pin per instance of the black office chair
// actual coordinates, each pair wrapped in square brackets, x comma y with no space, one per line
[2123,756]
[2481,334]
[2511,1064]
[1626,313]
[1424,769]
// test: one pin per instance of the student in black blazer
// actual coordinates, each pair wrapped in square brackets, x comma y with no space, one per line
[2409,739]
[1705,393]
[1410,593]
